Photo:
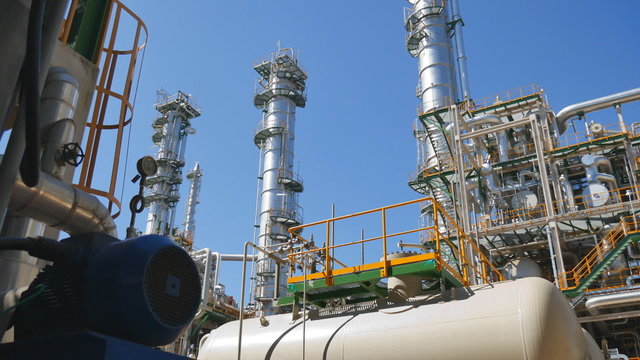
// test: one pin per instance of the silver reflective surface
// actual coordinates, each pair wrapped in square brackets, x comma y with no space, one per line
[282,88]
[171,129]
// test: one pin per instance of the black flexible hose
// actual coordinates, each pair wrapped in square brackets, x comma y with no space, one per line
[42,248]
[30,166]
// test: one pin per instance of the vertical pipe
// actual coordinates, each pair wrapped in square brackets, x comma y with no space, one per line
[195,177]
[242,291]
[459,44]
[304,308]
[15,148]
[206,277]
[623,126]
[86,41]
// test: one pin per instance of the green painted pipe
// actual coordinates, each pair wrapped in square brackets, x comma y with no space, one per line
[88,26]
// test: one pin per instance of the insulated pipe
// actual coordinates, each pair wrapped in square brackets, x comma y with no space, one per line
[632,252]
[227,257]
[461,56]
[17,142]
[58,135]
[624,299]
[472,185]
[593,174]
[631,278]
[490,177]
[501,135]
[493,184]
[206,277]
[62,206]
[568,192]
[582,108]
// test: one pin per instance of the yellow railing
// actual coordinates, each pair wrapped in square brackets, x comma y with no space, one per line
[471,262]
[474,105]
[583,137]
[572,279]
[615,279]
[580,203]
[506,96]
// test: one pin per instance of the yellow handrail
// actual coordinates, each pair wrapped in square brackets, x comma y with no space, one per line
[473,264]
[571,279]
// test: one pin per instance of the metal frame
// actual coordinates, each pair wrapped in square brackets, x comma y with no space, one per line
[104,93]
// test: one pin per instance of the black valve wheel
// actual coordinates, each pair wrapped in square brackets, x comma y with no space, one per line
[72,154]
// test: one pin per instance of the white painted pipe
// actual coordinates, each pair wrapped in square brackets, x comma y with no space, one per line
[622,299]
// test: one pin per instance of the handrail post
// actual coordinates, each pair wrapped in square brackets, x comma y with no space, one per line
[463,255]
[327,258]
[385,267]
[437,229]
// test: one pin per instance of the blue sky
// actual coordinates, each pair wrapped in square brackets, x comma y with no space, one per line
[353,143]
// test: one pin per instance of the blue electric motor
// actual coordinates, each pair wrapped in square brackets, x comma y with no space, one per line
[145,290]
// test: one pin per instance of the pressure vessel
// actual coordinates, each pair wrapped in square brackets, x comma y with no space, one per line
[523,319]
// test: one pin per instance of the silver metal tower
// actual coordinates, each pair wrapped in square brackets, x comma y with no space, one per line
[429,40]
[170,134]
[281,90]
[195,176]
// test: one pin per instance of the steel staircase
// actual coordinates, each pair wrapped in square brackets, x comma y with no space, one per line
[578,279]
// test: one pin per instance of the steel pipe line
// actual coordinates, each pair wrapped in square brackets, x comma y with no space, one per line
[623,299]
[579,109]
[62,206]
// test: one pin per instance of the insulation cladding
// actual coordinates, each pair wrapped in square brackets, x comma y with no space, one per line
[195,177]
[170,135]
[429,40]
[281,89]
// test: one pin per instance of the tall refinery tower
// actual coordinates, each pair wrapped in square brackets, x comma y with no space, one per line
[431,38]
[282,89]
[195,177]
[171,129]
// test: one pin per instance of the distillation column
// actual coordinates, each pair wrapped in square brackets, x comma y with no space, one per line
[195,177]
[429,41]
[170,134]
[282,89]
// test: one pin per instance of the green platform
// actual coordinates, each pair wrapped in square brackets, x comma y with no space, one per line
[364,284]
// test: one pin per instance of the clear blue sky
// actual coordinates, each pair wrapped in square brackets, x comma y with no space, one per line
[353,141]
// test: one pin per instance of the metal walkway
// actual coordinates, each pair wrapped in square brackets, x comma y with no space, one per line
[453,258]
[578,279]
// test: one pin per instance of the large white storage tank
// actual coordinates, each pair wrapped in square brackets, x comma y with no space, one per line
[523,319]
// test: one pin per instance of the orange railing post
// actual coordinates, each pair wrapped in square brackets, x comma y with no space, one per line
[436,209]
[385,266]
[327,257]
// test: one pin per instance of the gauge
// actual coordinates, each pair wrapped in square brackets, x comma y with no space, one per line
[147,166]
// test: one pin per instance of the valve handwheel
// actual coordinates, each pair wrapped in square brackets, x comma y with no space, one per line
[72,154]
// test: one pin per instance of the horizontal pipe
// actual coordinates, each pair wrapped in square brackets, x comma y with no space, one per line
[605,317]
[588,106]
[62,206]
[622,299]
[237,257]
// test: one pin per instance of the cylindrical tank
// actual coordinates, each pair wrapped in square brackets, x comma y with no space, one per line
[523,319]
[522,268]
